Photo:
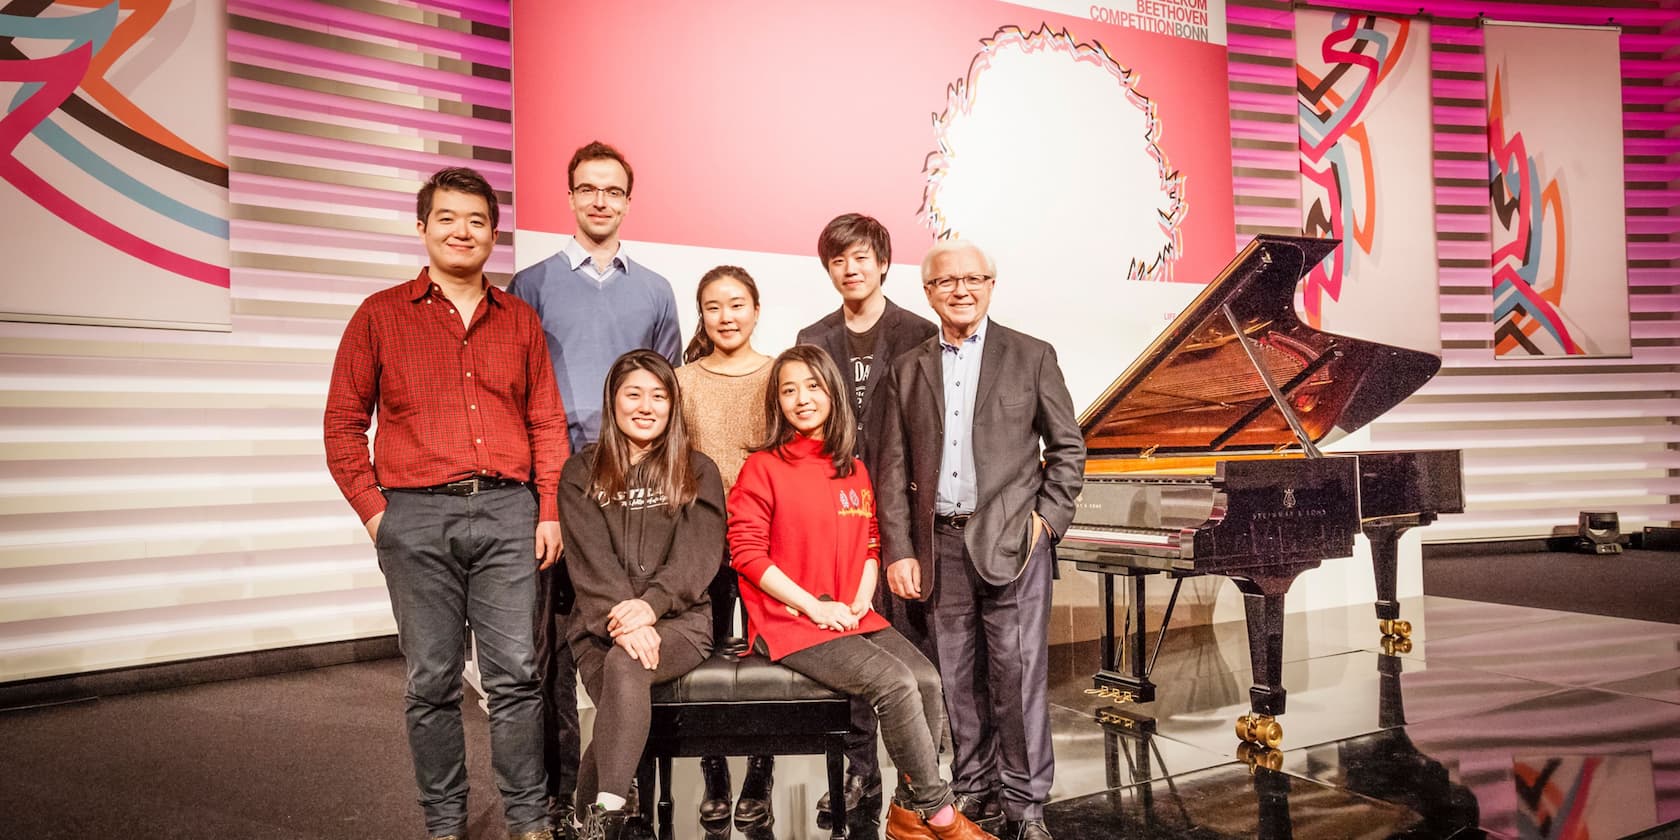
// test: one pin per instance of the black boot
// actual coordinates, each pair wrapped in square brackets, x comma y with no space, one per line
[714,808]
[752,810]
[863,802]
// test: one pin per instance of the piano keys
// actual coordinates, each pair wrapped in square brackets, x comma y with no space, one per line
[1203,458]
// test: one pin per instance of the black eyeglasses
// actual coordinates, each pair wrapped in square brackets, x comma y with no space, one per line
[947,285]
[587,192]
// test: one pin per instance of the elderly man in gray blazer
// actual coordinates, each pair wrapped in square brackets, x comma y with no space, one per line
[980,460]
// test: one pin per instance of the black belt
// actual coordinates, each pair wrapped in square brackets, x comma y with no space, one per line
[952,520]
[464,487]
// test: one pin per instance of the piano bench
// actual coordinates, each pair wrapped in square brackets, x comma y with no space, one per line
[743,705]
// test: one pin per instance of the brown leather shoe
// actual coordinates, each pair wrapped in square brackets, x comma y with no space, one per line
[905,824]
[962,828]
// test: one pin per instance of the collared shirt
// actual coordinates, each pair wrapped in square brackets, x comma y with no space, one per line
[958,491]
[584,264]
[453,401]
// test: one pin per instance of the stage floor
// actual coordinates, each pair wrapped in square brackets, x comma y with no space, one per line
[1498,719]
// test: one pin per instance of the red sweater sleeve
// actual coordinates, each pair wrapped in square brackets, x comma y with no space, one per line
[873,554]
[751,504]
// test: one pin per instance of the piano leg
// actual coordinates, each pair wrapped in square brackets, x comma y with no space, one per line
[1385,563]
[1263,603]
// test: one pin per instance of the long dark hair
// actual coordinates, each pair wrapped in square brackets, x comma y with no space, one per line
[700,346]
[839,430]
[667,467]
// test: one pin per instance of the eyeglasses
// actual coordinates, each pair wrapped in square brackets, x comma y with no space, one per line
[587,192]
[947,285]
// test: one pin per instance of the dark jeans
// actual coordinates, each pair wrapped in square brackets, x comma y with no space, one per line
[910,619]
[450,562]
[994,658]
[903,688]
[621,689]
[562,738]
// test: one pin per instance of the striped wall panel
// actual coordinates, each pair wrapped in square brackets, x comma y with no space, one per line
[1542,440]
[163,495]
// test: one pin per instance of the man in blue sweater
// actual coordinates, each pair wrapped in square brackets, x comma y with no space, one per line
[595,304]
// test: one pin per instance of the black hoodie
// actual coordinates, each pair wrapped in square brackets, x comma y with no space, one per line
[634,547]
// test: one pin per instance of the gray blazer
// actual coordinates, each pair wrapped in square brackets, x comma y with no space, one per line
[898,332]
[1022,402]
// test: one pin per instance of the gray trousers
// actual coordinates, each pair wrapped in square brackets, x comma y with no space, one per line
[902,686]
[910,619]
[994,660]
[450,562]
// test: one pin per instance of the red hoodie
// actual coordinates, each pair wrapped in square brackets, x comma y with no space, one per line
[789,511]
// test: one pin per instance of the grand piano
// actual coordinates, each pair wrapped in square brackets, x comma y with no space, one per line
[1203,458]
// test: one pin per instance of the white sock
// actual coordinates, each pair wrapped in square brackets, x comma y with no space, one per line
[611,802]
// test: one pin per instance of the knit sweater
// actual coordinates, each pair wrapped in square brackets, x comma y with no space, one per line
[724,414]
[590,323]
[789,511]
[636,547]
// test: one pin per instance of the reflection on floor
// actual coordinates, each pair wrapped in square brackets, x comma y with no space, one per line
[1500,721]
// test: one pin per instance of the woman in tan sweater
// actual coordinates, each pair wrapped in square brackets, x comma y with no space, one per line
[722,384]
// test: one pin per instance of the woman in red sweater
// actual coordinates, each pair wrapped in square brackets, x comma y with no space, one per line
[803,536]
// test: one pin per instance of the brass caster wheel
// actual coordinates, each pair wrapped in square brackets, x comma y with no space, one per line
[1258,757]
[1396,627]
[1396,645]
[1261,730]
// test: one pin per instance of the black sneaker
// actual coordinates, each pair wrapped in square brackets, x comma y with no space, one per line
[601,824]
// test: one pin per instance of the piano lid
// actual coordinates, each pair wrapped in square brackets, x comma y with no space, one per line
[1195,389]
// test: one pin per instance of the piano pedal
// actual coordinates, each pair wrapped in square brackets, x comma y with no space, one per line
[1258,757]
[1114,694]
[1260,730]
[1396,627]
[1396,645]
[1116,720]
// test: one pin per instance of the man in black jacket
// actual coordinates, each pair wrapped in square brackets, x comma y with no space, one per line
[863,337]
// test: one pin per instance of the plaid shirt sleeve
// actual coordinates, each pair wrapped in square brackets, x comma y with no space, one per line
[351,397]
[545,420]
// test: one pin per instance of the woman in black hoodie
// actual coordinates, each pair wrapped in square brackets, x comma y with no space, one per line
[642,516]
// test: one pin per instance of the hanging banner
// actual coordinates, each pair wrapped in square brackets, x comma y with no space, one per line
[1560,282]
[113,149]
[1362,84]
[1086,148]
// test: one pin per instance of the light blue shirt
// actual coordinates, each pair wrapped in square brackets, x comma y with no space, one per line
[958,490]
[590,317]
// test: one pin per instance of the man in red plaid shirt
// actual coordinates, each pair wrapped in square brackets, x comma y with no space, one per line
[459,497]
